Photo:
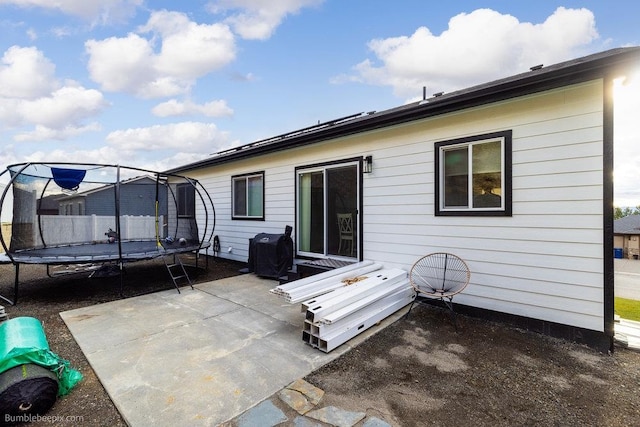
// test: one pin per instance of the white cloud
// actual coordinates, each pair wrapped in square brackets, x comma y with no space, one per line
[190,137]
[190,50]
[174,107]
[26,73]
[238,77]
[258,19]
[31,95]
[67,105]
[110,156]
[61,32]
[43,133]
[102,155]
[8,156]
[477,47]
[119,64]
[97,11]
[187,51]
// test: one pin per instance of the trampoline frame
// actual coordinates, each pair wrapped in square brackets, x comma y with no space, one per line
[120,251]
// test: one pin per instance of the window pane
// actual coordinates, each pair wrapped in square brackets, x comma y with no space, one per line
[191,201]
[239,197]
[342,199]
[255,196]
[487,181]
[304,212]
[186,200]
[456,177]
[311,212]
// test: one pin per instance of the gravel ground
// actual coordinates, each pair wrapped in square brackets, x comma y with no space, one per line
[418,371]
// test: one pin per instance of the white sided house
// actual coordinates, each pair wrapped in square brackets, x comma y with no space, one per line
[513,176]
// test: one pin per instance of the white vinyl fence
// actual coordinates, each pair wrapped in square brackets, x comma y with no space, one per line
[71,229]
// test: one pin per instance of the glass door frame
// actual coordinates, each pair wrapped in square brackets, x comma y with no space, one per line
[323,167]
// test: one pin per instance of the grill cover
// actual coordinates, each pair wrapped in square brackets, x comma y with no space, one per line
[270,255]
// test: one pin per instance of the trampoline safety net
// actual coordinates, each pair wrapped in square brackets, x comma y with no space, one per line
[76,212]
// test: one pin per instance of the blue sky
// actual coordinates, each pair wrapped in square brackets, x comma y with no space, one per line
[157,84]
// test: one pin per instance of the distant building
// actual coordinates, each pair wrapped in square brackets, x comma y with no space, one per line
[48,205]
[626,237]
[137,197]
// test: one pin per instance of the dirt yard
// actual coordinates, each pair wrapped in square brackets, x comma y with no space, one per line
[419,371]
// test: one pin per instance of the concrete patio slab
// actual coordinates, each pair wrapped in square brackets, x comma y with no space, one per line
[200,357]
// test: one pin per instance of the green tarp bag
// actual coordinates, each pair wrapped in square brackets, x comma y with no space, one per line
[22,341]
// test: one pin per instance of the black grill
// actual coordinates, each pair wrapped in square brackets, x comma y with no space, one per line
[271,255]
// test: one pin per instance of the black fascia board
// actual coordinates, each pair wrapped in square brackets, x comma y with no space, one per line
[563,74]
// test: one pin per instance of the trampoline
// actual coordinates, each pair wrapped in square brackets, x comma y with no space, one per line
[73,213]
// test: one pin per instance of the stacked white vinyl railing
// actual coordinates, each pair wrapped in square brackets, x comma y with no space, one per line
[340,304]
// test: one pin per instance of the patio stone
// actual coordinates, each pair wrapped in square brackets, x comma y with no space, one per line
[305,422]
[262,415]
[336,416]
[375,422]
[301,396]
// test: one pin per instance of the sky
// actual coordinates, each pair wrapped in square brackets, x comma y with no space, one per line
[158,84]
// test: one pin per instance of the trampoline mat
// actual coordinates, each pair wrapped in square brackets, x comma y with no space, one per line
[131,251]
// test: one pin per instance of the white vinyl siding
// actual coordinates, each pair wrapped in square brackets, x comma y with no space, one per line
[543,262]
[235,234]
[546,261]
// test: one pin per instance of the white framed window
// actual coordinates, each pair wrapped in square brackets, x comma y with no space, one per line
[248,196]
[473,175]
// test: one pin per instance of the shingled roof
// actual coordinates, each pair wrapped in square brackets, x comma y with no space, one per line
[627,225]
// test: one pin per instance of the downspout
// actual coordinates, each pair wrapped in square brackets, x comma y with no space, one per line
[607,198]
[158,244]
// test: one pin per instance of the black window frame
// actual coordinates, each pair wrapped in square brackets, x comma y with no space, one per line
[246,177]
[506,210]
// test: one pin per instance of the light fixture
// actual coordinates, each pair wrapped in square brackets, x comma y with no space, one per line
[368,164]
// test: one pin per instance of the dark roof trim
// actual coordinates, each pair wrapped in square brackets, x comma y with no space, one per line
[538,79]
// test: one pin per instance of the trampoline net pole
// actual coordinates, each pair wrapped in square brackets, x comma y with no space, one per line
[119,230]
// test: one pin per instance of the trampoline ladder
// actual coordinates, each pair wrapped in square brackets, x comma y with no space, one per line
[176,270]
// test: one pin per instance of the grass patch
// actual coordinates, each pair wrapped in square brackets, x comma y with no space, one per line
[627,308]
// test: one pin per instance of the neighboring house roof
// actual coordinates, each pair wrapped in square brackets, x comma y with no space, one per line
[135,180]
[539,78]
[627,225]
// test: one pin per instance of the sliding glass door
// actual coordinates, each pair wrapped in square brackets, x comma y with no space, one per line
[327,212]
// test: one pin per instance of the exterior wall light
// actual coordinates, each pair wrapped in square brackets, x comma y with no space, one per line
[368,164]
